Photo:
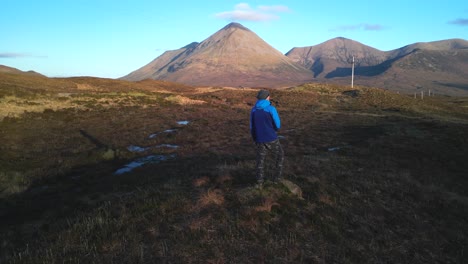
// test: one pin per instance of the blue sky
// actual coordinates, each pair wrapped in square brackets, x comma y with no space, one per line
[111,38]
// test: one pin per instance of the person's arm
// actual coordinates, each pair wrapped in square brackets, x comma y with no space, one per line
[276,118]
[251,125]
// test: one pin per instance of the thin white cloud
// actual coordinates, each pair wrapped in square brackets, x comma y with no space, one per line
[363,26]
[10,55]
[460,22]
[14,55]
[244,12]
[243,15]
[274,8]
[242,6]
[372,27]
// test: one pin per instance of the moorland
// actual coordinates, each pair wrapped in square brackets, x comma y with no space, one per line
[378,177]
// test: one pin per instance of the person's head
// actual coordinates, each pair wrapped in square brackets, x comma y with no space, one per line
[263,94]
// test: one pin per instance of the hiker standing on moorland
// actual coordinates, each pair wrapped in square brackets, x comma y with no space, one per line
[264,122]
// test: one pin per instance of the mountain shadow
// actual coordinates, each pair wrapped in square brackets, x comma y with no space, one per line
[367,71]
[461,86]
[317,68]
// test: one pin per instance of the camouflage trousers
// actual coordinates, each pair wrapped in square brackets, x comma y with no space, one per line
[263,149]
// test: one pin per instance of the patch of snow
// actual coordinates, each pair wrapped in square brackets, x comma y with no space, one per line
[142,161]
[165,131]
[133,148]
[185,122]
[167,146]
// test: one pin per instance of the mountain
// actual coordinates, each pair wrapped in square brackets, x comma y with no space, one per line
[234,56]
[324,58]
[6,69]
[439,66]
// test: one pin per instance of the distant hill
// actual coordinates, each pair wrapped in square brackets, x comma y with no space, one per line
[234,56]
[439,66]
[6,69]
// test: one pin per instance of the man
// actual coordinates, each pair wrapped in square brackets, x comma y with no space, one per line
[264,122]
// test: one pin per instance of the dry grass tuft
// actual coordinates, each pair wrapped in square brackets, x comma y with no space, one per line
[267,205]
[182,100]
[211,197]
[12,106]
[326,199]
[223,179]
[85,86]
[199,222]
[199,182]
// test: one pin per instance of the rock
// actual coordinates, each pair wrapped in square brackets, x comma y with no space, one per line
[352,93]
[109,154]
[292,187]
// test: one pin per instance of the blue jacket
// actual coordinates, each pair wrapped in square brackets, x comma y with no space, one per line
[264,122]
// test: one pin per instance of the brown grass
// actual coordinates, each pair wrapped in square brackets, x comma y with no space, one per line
[210,197]
[199,182]
[267,205]
[178,99]
[382,175]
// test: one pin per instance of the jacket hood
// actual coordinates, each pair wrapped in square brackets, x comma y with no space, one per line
[262,103]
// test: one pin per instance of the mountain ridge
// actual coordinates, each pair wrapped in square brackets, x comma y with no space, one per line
[440,66]
[235,56]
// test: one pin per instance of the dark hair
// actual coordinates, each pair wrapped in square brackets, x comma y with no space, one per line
[263,94]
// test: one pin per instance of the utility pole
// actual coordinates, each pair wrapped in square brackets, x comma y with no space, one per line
[352,61]
[352,74]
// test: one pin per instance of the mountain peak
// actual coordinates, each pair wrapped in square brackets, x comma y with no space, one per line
[191,45]
[341,38]
[235,25]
